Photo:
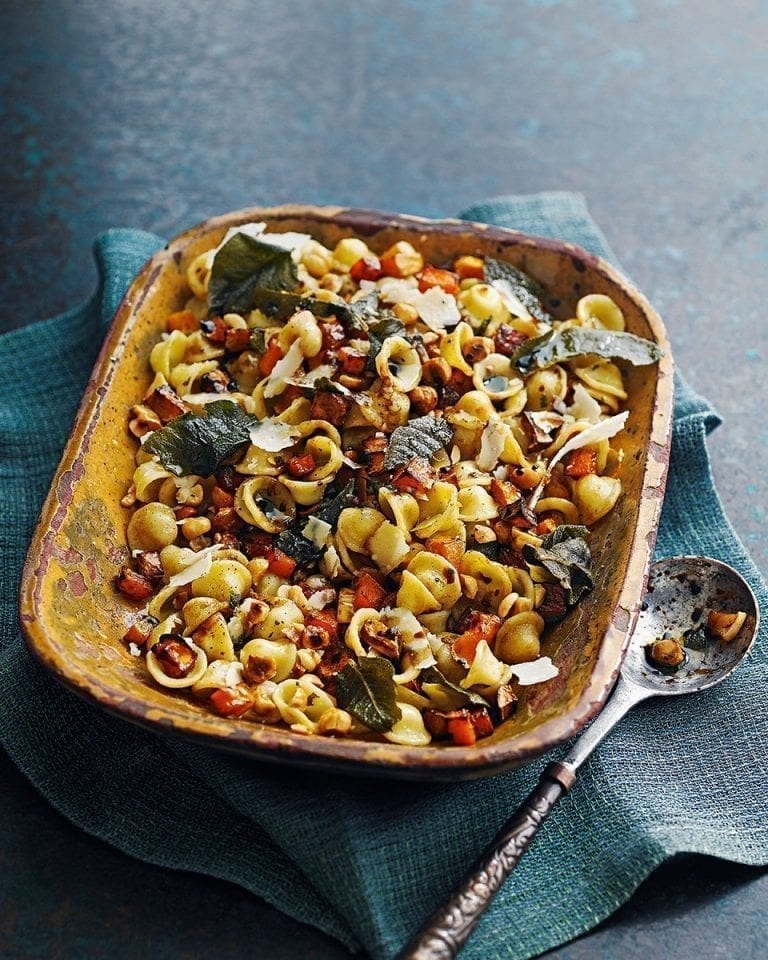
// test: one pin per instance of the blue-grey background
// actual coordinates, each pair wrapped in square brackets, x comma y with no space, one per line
[158,113]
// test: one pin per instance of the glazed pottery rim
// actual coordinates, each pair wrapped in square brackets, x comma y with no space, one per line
[355,756]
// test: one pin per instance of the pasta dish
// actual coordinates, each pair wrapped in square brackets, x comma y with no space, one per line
[364,485]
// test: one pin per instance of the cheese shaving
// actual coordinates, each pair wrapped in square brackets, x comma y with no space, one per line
[286,241]
[537,671]
[584,406]
[199,566]
[436,308]
[309,379]
[272,435]
[594,434]
[397,290]
[510,300]
[491,444]
[285,367]
[316,531]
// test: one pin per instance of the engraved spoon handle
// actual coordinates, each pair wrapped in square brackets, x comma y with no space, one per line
[443,935]
[449,927]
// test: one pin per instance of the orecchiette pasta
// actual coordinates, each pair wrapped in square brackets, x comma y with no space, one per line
[354,507]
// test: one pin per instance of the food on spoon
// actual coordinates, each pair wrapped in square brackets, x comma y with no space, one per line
[666,652]
[365,485]
[725,626]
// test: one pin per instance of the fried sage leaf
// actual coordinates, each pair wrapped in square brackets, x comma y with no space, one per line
[419,438]
[197,443]
[559,345]
[387,326]
[367,690]
[566,555]
[525,288]
[295,544]
[245,264]
[280,305]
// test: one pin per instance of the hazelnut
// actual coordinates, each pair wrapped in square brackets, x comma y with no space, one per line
[423,399]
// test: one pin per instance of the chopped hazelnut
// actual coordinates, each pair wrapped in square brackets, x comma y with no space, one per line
[667,652]
[725,626]
[423,399]
[335,722]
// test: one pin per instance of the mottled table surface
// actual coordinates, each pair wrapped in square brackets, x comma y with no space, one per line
[157,115]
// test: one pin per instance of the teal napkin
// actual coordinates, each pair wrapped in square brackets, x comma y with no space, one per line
[368,861]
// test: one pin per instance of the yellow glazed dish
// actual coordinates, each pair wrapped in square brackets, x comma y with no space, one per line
[73,617]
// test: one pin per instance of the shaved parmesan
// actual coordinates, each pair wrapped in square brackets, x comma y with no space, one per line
[491,444]
[286,241]
[594,434]
[200,565]
[272,435]
[584,406]
[285,367]
[330,563]
[316,531]
[397,290]
[134,650]
[510,300]
[537,671]
[438,309]
[309,379]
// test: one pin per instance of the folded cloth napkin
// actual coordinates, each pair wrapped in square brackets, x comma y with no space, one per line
[368,861]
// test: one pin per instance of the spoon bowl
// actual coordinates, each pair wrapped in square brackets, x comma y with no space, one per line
[681,592]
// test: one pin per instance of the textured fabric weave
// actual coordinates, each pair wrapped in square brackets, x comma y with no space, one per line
[367,861]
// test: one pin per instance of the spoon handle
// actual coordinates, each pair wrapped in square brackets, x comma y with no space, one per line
[449,927]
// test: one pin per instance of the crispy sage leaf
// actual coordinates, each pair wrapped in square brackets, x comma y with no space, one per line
[295,544]
[359,314]
[566,555]
[258,341]
[327,385]
[197,443]
[492,550]
[367,690]
[419,438]
[281,305]
[558,345]
[525,288]
[388,326]
[243,265]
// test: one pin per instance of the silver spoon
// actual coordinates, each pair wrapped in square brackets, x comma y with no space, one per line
[681,592]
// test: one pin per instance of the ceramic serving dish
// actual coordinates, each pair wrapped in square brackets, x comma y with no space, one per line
[74,618]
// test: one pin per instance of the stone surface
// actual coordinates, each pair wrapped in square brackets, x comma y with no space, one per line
[157,115]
